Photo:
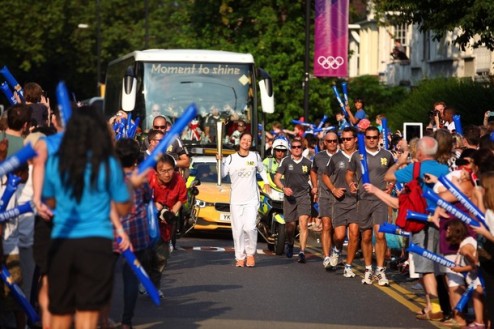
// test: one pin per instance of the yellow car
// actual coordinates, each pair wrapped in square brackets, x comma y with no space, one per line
[210,208]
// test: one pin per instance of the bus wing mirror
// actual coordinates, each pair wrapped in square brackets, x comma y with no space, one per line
[267,96]
[129,90]
[266,90]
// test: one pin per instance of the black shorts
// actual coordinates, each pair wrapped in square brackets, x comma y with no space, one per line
[370,213]
[41,243]
[80,274]
[293,208]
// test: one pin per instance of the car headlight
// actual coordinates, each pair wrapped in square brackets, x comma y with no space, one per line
[202,204]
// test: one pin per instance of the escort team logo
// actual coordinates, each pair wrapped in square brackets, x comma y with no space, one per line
[305,169]
[290,167]
[341,165]
[384,162]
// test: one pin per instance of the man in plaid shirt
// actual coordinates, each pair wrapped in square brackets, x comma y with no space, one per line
[135,225]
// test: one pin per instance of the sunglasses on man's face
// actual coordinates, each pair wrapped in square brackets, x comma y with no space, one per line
[159,127]
[296,146]
[372,137]
[347,139]
[331,140]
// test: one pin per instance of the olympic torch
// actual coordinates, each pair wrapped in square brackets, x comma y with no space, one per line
[219,146]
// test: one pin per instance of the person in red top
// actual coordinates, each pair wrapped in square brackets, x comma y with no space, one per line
[170,193]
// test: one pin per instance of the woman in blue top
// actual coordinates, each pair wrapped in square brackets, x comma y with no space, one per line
[81,182]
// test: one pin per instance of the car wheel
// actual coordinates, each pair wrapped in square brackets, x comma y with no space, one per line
[279,240]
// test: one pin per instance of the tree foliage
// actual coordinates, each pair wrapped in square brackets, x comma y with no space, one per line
[474,18]
[42,42]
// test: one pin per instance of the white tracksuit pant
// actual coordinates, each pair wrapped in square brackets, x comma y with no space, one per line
[244,229]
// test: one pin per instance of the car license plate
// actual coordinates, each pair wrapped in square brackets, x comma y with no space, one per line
[225,217]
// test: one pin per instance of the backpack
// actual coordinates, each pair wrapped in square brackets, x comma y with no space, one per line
[411,198]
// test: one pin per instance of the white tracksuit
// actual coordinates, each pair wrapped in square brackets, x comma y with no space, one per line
[244,200]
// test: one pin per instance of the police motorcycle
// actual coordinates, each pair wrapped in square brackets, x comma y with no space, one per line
[270,219]
[190,208]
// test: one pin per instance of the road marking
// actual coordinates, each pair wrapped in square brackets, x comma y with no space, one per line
[403,296]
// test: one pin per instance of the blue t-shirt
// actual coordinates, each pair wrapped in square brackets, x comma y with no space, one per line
[426,167]
[360,114]
[53,143]
[90,217]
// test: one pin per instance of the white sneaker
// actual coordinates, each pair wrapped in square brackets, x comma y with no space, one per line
[348,272]
[326,262]
[381,277]
[367,277]
[334,258]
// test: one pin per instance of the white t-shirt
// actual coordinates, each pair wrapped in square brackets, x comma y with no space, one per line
[489,220]
[242,171]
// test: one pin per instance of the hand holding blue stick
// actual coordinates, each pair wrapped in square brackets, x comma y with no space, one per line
[12,82]
[19,295]
[363,159]
[141,274]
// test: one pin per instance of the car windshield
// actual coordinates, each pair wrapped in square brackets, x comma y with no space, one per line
[206,173]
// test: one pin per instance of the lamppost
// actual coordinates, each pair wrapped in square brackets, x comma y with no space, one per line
[307,58]
[98,46]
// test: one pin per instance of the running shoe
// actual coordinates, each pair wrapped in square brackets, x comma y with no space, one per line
[240,263]
[326,263]
[381,278]
[251,261]
[289,250]
[348,272]
[367,277]
[334,258]
[301,258]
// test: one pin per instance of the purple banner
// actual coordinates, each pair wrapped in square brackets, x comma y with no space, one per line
[331,38]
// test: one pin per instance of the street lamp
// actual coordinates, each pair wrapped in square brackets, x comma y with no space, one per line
[98,48]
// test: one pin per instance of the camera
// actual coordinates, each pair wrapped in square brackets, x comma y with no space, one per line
[433,113]
[166,216]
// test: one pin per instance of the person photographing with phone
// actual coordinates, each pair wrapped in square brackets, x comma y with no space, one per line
[488,119]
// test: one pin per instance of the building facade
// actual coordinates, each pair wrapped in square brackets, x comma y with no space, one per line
[371,45]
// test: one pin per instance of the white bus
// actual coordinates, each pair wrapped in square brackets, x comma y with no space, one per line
[164,82]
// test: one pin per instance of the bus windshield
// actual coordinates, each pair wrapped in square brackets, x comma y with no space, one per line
[220,91]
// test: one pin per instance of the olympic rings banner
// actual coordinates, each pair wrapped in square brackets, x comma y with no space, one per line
[331,38]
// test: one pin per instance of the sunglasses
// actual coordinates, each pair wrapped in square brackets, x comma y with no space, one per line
[159,127]
[296,146]
[347,139]
[372,137]
[331,140]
